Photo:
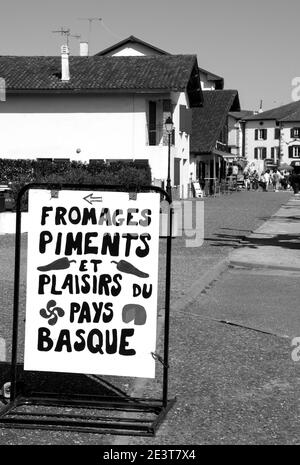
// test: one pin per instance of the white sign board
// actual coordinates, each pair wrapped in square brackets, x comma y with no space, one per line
[198,190]
[92,276]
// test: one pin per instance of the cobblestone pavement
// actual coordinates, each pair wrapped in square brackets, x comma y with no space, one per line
[204,379]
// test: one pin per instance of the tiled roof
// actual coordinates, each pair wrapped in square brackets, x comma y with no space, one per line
[97,73]
[293,116]
[241,114]
[289,112]
[131,40]
[209,120]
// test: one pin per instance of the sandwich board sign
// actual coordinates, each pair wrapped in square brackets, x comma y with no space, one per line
[198,190]
[92,278]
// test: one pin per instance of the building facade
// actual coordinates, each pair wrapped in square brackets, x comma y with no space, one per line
[272,138]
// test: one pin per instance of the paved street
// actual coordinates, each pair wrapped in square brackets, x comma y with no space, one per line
[230,335]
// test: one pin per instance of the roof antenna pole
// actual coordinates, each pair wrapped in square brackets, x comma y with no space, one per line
[90,20]
[64,32]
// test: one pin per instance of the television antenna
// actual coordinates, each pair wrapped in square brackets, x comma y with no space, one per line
[90,21]
[76,36]
[64,32]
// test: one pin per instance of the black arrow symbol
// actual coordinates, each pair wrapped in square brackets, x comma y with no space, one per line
[90,199]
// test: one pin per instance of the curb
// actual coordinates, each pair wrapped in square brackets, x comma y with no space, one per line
[236,263]
[198,286]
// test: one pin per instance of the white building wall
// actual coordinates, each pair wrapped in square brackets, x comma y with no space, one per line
[251,143]
[34,126]
[133,50]
[234,136]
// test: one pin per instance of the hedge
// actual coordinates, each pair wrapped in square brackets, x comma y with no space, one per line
[19,172]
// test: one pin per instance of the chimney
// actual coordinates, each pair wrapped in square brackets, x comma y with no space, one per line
[65,73]
[84,49]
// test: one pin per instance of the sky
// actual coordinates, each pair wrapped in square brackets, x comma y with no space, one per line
[253,44]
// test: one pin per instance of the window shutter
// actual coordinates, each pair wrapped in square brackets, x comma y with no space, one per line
[272,152]
[255,153]
[264,134]
[188,120]
[185,120]
[256,134]
[264,153]
[182,118]
[291,151]
[276,133]
[292,132]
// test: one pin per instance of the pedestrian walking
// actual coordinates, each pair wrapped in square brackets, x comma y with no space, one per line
[276,177]
[263,181]
[254,179]
[247,181]
[267,178]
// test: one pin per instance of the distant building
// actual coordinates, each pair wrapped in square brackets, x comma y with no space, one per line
[272,137]
[236,132]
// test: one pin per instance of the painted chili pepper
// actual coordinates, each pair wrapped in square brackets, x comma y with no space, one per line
[60,264]
[127,267]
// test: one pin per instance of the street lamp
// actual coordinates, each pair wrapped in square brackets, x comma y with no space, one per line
[169,129]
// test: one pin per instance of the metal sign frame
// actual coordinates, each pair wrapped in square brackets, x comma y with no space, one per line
[135,415]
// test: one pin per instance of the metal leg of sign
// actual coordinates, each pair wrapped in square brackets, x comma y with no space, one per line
[116,414]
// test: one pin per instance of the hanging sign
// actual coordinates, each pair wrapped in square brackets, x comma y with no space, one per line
[92,276]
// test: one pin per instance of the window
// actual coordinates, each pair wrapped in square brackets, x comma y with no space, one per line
[276,133]
[274,153]
[294,151]
[260,153]
[260,134]
[152,123]
[295,132]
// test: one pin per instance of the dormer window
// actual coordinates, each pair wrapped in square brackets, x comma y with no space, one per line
[295,133]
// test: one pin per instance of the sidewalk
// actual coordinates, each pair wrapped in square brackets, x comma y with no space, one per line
[276,244]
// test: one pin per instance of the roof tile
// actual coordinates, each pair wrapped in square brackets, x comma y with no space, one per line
[167,72]
[209,120]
